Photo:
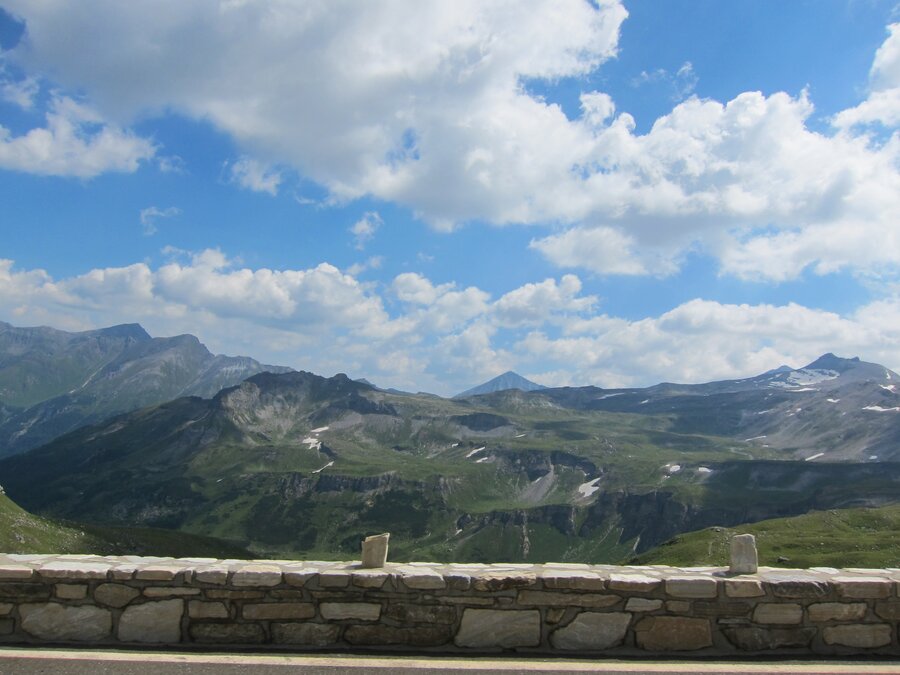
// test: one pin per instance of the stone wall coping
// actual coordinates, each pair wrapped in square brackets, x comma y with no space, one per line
[18,567]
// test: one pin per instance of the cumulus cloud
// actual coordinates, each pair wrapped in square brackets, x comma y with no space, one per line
[76,142]
[883,102]
[437,337]
[255,175]
[425,106]
[535,304]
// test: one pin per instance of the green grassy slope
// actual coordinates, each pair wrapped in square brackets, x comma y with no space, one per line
[863,537]
[23,532]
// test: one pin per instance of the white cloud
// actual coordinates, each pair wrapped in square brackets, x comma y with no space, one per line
[601,249]
[681,83]
[76,142]
[21,92]
[883,103]
[441,338]
[151,214]
[702,341]
[254,175]
[424,105]
[535,304]
[364,229]
[372,263]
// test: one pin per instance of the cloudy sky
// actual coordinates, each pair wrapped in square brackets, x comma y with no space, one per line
[429,193]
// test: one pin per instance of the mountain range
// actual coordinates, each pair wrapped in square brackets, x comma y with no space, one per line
[292,463]
[53,381]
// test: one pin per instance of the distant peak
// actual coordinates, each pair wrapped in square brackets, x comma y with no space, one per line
[829,361]
[508,380]
[127,330]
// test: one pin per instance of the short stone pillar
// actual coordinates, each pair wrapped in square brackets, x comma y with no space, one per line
[375,550]
[744,559]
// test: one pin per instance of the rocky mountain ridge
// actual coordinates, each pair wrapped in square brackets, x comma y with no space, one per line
[294,462]
[74,379]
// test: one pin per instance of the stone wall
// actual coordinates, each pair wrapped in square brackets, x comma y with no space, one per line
[550,609]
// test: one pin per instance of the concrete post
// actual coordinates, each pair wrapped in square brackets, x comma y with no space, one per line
[375,550]
[744,559]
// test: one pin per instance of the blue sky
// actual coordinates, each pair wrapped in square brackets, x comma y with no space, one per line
[427,194]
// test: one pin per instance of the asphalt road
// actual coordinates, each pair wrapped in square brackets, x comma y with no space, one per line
[16,661]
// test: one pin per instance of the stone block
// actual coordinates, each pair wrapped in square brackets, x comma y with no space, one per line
[778,613]
[466,600]
[216,594]
[496,628]
[863,587]
[115,595]
[279,610]
[574,580]
[554,615]
[198,609]
[836,611]
[73,570]
[420,636]
[170,591]
[362,611]
[757,639]
[61,623]
[157,572]
[633,583]
[334,578]
[798,588]
[123,572]
[672,633]
[555,599]
[375,550]
[643,605]
[720,608]
[212,575]
[369,578]
[71,591]
[744,558]
[743,588]
[307,634]
[228,633]
[678,606]
[420,578]
[692,587]
[257,576]
[592,630]
[405,613]
[6,608]
[7,626]
[456,581]
[16,572]
[153,622]
[502,581]
[299,577]
[23,592]
[864,636]
[287,594]
[888,609]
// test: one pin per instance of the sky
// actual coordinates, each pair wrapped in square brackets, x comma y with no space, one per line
[427,194]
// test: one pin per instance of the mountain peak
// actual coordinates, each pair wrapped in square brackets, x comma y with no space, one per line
[831,362]
[134,331]
[508,380]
